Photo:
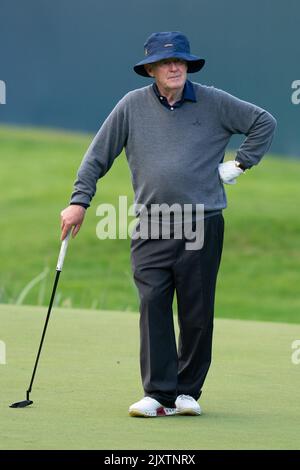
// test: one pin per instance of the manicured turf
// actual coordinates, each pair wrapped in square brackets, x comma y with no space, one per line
[89,375]
[259,277]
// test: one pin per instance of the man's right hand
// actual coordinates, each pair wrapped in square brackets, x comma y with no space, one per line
[71,216]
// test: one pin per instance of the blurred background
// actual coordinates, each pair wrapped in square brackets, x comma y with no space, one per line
[67,63]
[64,65]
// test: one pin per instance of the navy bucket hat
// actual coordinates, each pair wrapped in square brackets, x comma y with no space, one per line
[166,45]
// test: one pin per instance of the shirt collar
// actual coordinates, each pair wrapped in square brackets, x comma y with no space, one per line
[189,92]
[187,95]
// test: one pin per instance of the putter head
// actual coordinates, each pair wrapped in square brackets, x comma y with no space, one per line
[21,404]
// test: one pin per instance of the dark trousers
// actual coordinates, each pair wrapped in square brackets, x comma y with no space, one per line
[160,268]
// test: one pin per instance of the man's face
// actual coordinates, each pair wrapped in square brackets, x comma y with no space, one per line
[170,74]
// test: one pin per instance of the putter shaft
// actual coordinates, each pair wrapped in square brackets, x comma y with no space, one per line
[60,262]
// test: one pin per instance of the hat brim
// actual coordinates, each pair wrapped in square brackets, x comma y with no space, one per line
[194,63]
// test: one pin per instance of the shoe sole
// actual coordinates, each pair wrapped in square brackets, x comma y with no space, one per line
[188,412]
[154,414]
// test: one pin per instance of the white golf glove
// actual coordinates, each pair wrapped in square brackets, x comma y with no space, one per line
[229,171]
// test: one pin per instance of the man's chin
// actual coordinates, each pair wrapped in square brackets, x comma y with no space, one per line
[173,84]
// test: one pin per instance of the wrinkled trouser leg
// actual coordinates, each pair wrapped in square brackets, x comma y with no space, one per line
[195,282]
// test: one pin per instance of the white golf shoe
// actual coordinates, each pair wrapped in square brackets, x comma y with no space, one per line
[187,405]
[150,408]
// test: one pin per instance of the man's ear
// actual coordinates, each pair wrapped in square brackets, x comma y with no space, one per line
[149,69]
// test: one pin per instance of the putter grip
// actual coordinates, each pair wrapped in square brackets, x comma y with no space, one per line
[62,253]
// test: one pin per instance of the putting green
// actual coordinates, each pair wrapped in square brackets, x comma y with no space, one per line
[89,374]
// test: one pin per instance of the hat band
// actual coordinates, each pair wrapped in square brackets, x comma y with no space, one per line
[167,48]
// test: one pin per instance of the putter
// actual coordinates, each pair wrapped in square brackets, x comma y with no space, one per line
[60,262]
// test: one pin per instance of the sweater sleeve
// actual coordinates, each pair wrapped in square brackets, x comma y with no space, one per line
[258,125]
[104,148]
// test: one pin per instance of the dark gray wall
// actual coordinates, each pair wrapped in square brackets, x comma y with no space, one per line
[67,62]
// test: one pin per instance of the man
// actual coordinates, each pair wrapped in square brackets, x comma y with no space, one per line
[175,133]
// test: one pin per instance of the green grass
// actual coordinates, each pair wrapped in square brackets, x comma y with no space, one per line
[88,375]
[259,276]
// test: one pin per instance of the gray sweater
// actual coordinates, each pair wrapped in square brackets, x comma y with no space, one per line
[174,155]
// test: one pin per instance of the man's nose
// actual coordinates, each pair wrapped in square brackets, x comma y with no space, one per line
[173,65]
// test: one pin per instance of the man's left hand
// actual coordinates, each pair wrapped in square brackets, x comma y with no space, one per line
[229,171]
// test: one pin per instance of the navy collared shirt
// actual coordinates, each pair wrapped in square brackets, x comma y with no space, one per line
[188,94]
